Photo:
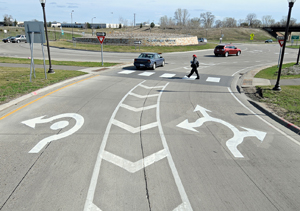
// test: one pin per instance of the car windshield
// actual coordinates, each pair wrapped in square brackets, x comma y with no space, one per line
[146,55]
[220,47]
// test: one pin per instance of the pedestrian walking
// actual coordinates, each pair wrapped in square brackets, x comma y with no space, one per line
[194,65]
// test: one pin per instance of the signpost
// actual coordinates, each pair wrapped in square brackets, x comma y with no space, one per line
[137,43]
[35,34]
[280,41]
[295,37]
[101,37]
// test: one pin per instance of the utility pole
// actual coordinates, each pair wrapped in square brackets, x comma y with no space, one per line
[134,21]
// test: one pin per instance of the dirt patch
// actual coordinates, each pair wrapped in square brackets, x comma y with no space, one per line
[293,70]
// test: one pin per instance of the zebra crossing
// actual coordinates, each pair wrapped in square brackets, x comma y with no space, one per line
[168,75]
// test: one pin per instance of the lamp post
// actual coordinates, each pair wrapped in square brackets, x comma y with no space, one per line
[298,57]
[291,4]
[92,27]
[43,2]
[72,23]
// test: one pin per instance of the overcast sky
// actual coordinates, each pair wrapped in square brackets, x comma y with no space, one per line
[110,11]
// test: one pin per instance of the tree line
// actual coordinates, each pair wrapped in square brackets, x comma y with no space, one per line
[208,20]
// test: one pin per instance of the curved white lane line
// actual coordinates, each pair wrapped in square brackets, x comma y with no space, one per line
[92,188]
[186,205]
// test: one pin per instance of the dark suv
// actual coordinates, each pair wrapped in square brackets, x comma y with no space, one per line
[226,50]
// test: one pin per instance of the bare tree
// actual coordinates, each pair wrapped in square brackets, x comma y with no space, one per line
[218,24]
[256,23]
[267,20]
[178,16]
[250,17]
[181,16]
[123,21]
[207,19]
[194,22]
[283,21]
[229,22]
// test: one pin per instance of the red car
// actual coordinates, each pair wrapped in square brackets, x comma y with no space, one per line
[226,50]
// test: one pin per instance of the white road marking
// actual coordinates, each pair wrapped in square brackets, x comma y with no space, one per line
[133,167]
[143,96]
[232,143]
[138,109]
[39,120]
[167,75]
[193,77]
[134,129]
[213,79]
[126,72]
[146,74]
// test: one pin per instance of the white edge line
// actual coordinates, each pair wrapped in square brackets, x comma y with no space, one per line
[177,179]
[96,171]
[265,121]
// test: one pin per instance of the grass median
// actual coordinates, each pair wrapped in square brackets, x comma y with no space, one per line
[14,82]
[285,103]
[54,62]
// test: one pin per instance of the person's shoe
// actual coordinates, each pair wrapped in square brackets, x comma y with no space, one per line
[197,78]
[187,76]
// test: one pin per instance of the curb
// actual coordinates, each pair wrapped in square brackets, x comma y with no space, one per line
[275,117]
[244,82]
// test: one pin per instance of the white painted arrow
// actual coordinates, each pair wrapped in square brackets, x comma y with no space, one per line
[39,120]
[238,136]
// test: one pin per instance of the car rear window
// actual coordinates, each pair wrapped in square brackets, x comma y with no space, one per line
[220,47]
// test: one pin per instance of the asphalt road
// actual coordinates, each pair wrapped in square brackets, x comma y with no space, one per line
[123,139]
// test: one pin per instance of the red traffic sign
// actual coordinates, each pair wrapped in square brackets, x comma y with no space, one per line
[101,38]
[281,42]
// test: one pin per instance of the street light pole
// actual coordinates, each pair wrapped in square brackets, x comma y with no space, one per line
[92,26]
[72,23]
[43,2]
[291,4]
[298,57]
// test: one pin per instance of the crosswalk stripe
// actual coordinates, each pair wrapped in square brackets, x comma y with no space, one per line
[126,72]
[213,79]
[146,74]
[167,75]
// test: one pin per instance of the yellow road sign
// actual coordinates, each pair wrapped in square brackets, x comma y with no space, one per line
[252,35]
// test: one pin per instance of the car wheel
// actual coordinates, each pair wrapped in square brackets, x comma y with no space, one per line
[154,66]
[238,53]
[163,64]
[226,54]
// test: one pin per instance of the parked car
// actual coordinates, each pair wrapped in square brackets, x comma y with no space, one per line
[149,60]
[18,38]
[7,39]
[202,39]
[269,41]
[226,50]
